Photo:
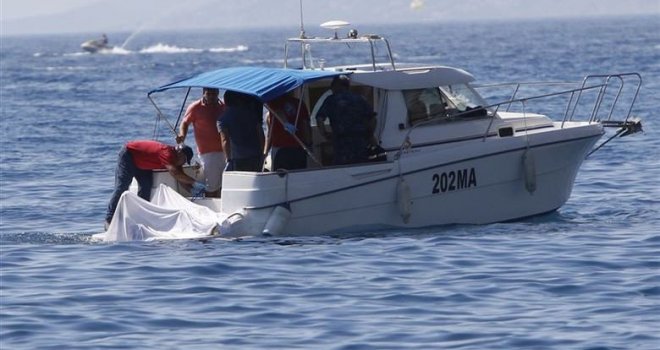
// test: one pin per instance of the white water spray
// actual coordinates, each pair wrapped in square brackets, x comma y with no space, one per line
[175,11]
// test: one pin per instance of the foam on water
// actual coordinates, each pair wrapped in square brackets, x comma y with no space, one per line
[164,48]
[159,48]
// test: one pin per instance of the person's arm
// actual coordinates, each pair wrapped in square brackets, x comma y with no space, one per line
[178,174]
[305,131]
[323,129]
[262,138]
[226,144]
[320,122]
[321,116]
[188,118]
[183,131]
[372,132]
[371,125]
[269,135]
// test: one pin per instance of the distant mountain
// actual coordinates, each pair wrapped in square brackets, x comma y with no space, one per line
[126,15]
[122,15]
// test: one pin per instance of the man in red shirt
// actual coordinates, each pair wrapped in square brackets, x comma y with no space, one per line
[138,159]
[287,152]
[204,114]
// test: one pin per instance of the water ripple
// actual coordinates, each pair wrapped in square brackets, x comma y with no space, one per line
[583,277]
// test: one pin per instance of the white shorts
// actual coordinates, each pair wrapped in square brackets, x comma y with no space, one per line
[213,163]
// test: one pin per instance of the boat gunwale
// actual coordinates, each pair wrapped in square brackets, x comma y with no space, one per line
[439,165]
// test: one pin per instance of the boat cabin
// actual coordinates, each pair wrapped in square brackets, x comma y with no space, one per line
[416,107]
[433,101]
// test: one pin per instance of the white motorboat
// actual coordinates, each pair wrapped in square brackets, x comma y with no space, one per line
[451,156]
[96,45]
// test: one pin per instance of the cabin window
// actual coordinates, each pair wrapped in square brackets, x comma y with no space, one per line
[443,104]
[462,97]
[425,104]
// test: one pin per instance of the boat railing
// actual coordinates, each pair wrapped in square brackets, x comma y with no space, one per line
[516,88]
[309,62]
[603,83]
[492,109]
[607,78]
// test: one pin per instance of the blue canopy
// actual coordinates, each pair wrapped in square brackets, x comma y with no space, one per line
[263,83]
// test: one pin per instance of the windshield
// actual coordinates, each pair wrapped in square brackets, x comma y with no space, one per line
[462,96]
[445,103]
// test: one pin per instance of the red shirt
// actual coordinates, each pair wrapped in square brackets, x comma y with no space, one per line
[150,155]
[204,118]
[287,108]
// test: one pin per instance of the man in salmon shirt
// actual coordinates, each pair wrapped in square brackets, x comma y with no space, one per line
[138,159]
[204,114]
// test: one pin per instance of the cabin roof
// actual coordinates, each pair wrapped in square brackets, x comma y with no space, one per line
[413,78]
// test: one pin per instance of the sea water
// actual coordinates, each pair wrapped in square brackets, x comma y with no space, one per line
[584,277]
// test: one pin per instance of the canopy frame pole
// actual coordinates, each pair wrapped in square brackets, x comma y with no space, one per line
[183,106]
[281,121]
[161,115]
[304,146]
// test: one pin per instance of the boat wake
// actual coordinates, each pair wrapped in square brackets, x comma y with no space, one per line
[159,48]
[165,48]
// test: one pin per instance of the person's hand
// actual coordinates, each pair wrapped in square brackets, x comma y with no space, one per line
[290,128]
[179,139]
[325,134]
[198,189]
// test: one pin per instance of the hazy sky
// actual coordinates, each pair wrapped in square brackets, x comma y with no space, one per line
[90,16]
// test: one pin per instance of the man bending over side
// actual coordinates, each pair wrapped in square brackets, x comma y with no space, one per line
[138,159]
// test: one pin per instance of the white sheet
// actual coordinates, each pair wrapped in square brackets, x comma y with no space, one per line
[167,216]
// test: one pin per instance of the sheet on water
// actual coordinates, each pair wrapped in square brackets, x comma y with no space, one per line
[167,216]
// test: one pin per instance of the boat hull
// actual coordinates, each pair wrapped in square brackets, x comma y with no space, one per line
[461,184]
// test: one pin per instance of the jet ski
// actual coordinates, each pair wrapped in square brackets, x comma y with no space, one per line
[96,45]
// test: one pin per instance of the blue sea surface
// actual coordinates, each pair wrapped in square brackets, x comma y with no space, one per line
[584,277]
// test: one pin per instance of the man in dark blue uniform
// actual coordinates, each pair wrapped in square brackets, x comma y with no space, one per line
[241,132]
[351,120]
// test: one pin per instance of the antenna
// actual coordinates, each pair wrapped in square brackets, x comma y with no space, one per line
[302,27]
[334,25]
